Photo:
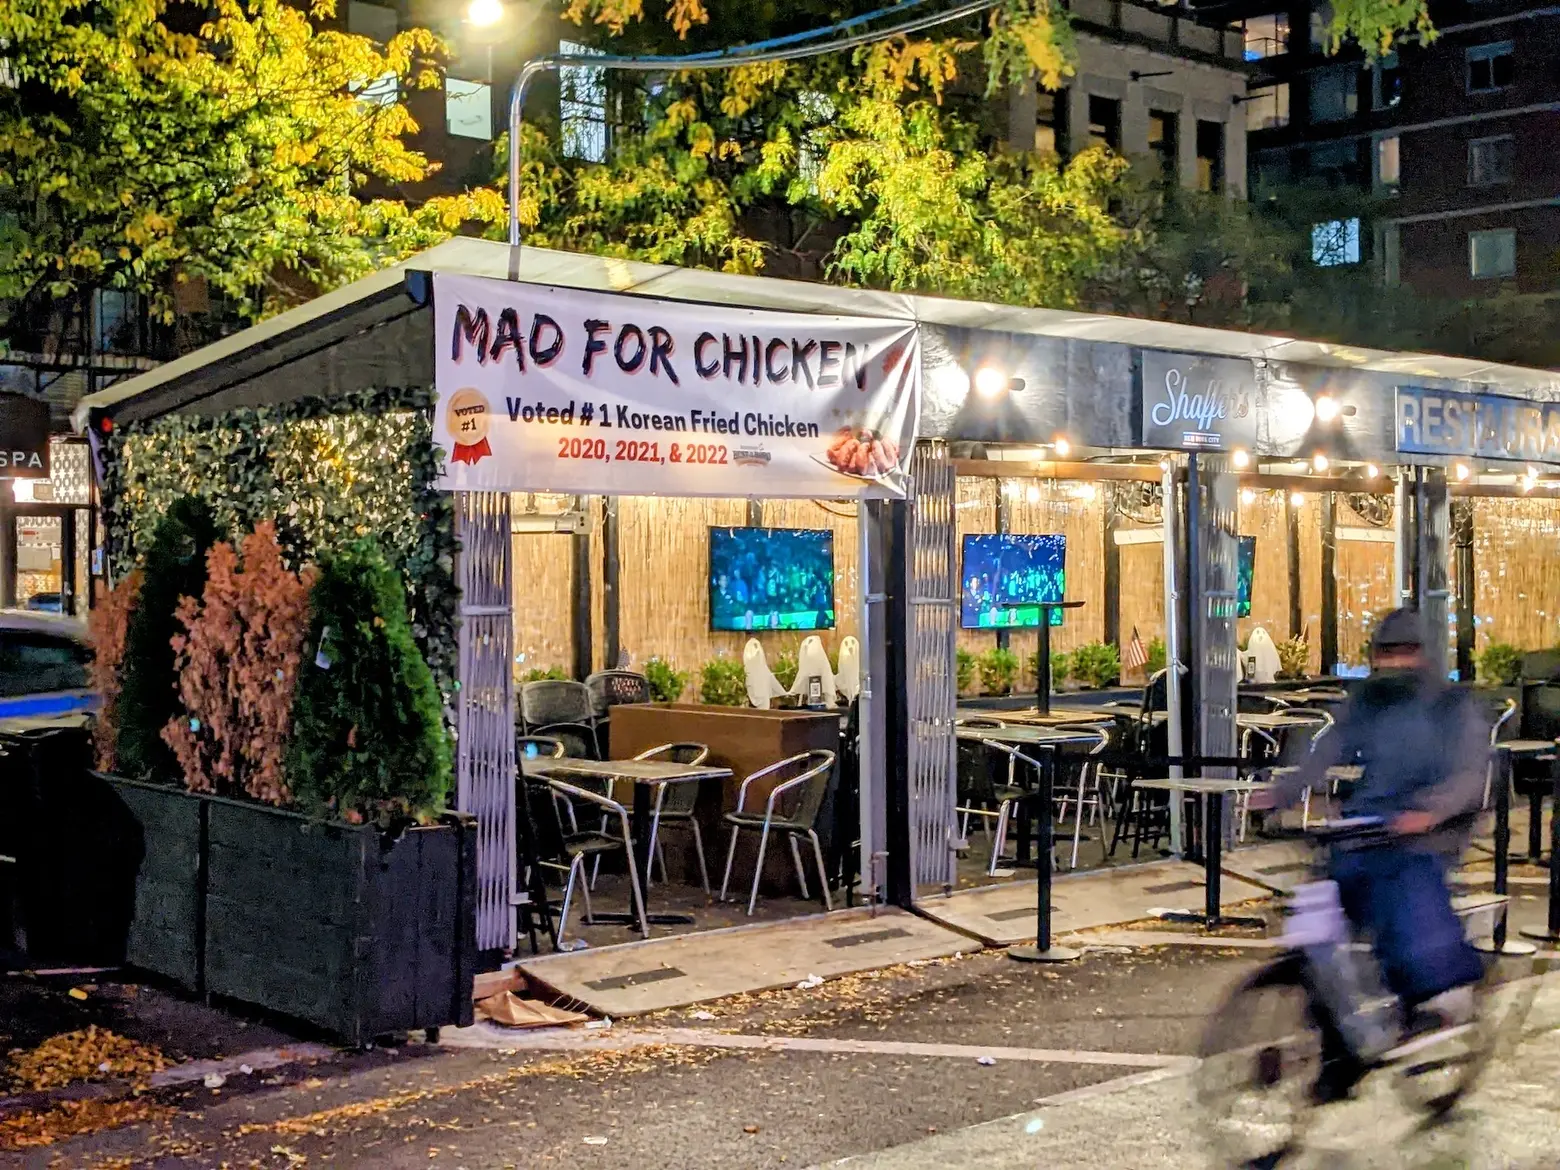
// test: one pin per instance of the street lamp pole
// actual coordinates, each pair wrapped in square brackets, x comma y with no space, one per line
[794,47]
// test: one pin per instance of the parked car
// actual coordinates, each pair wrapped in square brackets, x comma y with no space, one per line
[43,666]
[46,603]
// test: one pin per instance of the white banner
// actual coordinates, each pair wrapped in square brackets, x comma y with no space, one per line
[596,393]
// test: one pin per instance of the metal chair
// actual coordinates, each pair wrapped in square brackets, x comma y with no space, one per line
[675,803]
[1088,769]
[569,849]
[975,792]
[811,783]
[1500,725]
[1006,797]
[564,711]
[613,688]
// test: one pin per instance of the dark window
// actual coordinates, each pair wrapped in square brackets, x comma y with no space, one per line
[1335,94]
[1490,67]
[1492,254]
[1163,142]
[1104,122]
[1337,163]
[1051,121]
[35,664]
[1386,82]
[1210,156]
[1491,160]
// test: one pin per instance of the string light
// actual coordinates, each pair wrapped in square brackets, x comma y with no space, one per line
[1298,499]
[1462,471]
[1062,447]
[1319,462]
[1247,496]
[1240,458]
[1372,471]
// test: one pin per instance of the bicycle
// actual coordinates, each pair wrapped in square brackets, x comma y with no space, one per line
[1261,1054]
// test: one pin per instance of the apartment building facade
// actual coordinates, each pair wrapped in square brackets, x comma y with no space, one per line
[1457,137]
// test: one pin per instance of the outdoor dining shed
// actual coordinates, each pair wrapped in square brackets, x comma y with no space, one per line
[461,406]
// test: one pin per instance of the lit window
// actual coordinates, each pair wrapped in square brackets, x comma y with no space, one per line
[1268,108]
[1210,156]
[1163,143]
[1267,36]
[1051,121]
[1389,161]
[1492,254]
[1490,67]
[468,109]
[1336,242]
[1491,160]
[582,106]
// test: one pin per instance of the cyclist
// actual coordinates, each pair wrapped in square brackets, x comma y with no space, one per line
[1424,748]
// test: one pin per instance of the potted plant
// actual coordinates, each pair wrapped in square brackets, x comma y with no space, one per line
[330,886]
[1500,665]
[667,684]
[998,671]
[723,683]
[544,674]
[1294,656]
[964,667]
[1158,657]
[1061,669]
[1097,664]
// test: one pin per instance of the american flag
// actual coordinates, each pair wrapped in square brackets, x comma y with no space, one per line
[1133,655]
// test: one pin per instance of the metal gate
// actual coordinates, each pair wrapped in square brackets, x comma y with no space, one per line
[933,620]
[485,706]
[1213,560]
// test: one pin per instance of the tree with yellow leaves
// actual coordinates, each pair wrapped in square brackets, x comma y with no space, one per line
[145,143]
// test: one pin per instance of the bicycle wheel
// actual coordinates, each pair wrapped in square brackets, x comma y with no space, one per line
[1443,1068]
[1261,1055]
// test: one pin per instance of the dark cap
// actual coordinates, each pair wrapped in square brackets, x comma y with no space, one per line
[1399,630]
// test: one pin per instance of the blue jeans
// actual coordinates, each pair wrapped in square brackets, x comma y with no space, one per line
[1399,898]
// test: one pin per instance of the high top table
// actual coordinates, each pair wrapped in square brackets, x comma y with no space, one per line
[1213,791]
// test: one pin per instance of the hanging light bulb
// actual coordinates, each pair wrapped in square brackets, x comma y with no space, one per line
[1062,447]
[1372,471]
[1298,499]
[1032,494]
[1319,462]
[1240,458]
[1247,496]
[484,13]
[1462,472]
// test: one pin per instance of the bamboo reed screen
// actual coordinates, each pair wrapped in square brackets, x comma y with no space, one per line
[543,601]
[975,512]
[1264,518]
[1364,574]
[1515,547]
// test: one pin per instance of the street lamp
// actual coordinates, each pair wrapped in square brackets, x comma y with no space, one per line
[484,13]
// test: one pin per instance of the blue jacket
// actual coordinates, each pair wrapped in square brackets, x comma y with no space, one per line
[1423,745]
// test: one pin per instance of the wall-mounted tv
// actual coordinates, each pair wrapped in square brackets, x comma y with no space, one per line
[1006,577]
[1245,566]
[771,579]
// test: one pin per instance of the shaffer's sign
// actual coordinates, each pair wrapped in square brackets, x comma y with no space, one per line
[1197,403]
[1479,426]
[24,437]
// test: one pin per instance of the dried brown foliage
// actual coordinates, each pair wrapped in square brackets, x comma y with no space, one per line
[107,626]
[238,663]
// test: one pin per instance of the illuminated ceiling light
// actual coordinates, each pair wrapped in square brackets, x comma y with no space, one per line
[1062,447]
[1164,465]
[1319,462]
[1327,408]
[1247,496]
[991,382]
[1298,499]
[1372,471]
[1462,472]
[1032,494]
[484,13]
[1240,459]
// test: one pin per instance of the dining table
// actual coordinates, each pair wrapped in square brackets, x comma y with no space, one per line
[1019,737]
[647,776]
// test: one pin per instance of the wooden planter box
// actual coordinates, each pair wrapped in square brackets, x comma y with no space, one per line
[336,924]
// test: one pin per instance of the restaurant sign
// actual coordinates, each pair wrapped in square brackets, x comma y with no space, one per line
[1482,426]
[1195,403]
[595,393]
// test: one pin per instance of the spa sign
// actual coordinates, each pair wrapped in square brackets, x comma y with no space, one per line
[563,390]
[1194,403]
[1482,426]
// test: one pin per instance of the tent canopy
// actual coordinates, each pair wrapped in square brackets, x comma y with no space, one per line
[378,332]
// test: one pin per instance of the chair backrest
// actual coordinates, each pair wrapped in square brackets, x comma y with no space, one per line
[613,688]
[555,701]
[578,739]
[1156,695]
[803,803]
[691,754]
[536,801]
[1500,724]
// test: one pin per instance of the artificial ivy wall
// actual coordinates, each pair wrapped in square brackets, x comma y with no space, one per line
[328,470]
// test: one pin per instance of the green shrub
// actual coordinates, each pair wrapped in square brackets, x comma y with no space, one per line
[998,671]
[1500,665]
[1097,664]
[544,674]
[723,682]
[965,670]
[148,683]
[1061,667]
[1294,656]
[1158,656]
[667,683]
[368,737]
[785,669]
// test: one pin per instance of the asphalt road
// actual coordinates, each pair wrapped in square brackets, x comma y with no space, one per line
[1080,1069]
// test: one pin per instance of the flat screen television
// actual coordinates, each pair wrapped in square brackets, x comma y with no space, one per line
[1006,577]
[1245,566]
[771,579]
